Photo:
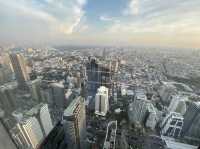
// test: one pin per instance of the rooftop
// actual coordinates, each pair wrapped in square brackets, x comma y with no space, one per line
[172,144]
[70,109]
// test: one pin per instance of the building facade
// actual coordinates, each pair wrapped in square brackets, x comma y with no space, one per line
[191,129]
[101,101]
[19,66]
[7,96]
[74,122]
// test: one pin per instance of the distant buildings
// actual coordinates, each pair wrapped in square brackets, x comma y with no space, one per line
[19,66]
[191,127]
[101,101]
[172,125]
[74,123]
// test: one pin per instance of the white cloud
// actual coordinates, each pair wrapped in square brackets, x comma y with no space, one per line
[60,16]
[82,2]
[133,8]
[23,9]
[109,19]
[105,18]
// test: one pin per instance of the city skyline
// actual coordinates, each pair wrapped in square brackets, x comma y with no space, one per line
[172,23]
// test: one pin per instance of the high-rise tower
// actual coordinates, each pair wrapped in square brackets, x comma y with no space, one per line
[101,101]
[6,141]
[19,66]
[74,122]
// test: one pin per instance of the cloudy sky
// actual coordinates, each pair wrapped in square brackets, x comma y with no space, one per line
[101,22]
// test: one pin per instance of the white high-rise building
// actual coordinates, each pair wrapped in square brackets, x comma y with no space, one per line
[101,101]
[31,131]
[45,119]
[41,113]
[32,126]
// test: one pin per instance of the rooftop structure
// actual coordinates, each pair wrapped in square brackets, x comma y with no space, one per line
[178,104]
[172,125]
[173,144]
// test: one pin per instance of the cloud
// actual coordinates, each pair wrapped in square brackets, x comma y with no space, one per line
[167,22]
[68,20]
[159,16]
[22,9]
[106,18]
[82,2]
[109,19]
[56,16]
[133,8]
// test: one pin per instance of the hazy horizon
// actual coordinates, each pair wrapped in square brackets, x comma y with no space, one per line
[173,23]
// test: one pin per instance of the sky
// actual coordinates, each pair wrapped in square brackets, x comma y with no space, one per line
[173,23]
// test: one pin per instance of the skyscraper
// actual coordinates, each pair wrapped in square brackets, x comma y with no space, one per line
[6,141]
[19,66]
[58,95]
[191,129]
[101,101]
[32,127]
[74,122]
[99,73]
[34,87]
[31,131]
[7,96]
[6,74]
[46,122]
[41,113]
